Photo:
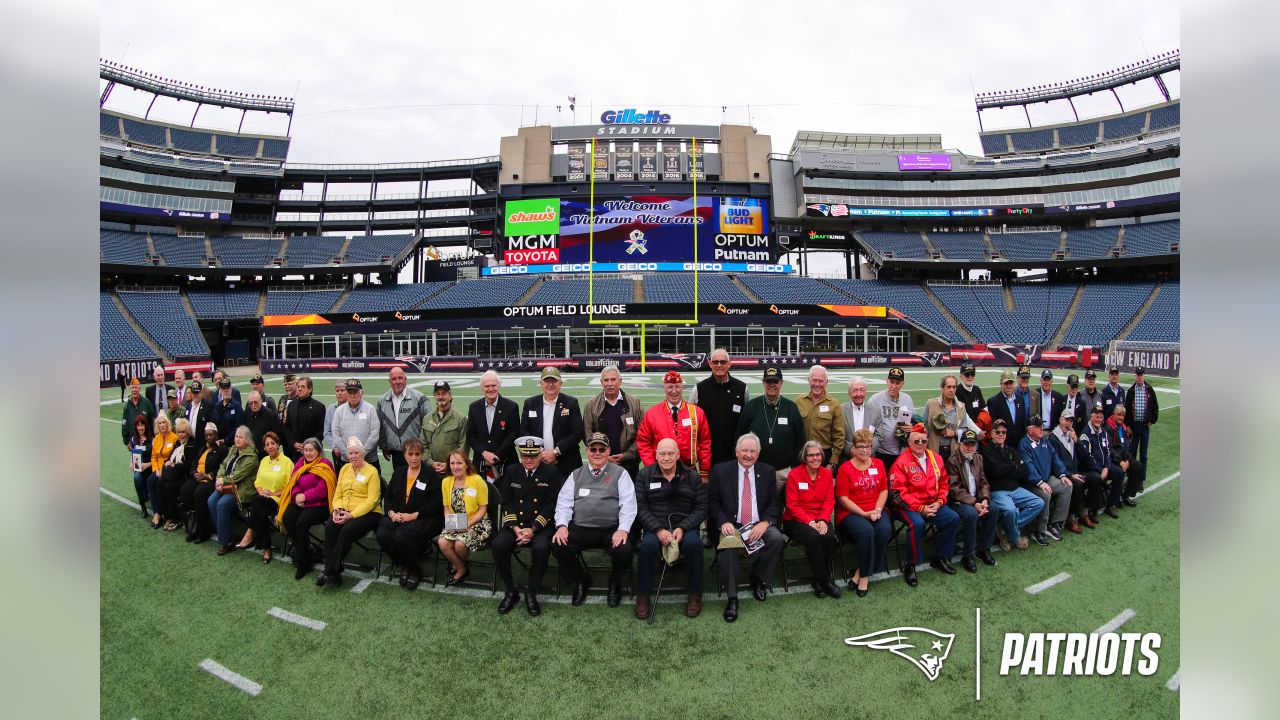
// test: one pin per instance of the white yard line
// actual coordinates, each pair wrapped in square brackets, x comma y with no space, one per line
[119,499]
[1046,584]
[360,586]
[1116,622]
[1175,682]
[296,619]
[236,680]
[1160,484]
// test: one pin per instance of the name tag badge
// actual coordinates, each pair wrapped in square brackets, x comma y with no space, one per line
[275,468]
[583,492]
[362,416]
[803,486]
[873,471]
[533,413]
[737,408]
[168,446]
[564,412]
[420,485]
[629,420]
[784,421]
[685,422]
[360,478]
[975,403]
[655,485]
[824,408]
[471,492]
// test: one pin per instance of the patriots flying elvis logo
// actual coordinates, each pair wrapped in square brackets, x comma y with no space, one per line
[925,648]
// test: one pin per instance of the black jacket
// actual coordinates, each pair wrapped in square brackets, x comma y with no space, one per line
[656,499]
[1096,449]
[566,429]
[1080,417]
[305,420]
[1057,403]
[1071,462]
[1153,407]
[1004,467]
[722,493]
[181,470]
[211,464]
[262,422]
[501,441]
[998,409]
[967,398]
[718,401]
[426,500]
[530,504]
[1121,447]
[202,419]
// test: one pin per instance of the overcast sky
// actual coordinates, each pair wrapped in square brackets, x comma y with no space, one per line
[401,82]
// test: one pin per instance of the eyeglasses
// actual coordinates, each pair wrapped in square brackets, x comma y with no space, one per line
[814,454]
[919,441]
[998,432]
[597,449]
[862,447]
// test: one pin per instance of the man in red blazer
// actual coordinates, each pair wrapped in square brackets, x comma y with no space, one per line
[918,486]
[679,420]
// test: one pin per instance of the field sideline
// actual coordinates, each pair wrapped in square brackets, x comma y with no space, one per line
[167,606]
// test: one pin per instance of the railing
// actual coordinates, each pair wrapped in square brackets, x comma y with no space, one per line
[391,166]
[966,283]
[388,196]
[147,288]
[1014,230]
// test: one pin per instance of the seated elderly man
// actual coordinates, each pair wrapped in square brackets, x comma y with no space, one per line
[918,488]
[527,514]
[743,502]
[672,502]
[1048,479]
[595,509]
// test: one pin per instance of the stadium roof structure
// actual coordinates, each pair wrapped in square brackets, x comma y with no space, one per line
[816,140]
[117,74]
[1151,68]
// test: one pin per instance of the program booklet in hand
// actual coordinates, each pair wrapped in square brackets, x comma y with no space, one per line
[455,522]
[752,546]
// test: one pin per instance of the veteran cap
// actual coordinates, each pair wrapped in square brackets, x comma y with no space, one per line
[895,373]
[772,374]
[968,437]
[550,372]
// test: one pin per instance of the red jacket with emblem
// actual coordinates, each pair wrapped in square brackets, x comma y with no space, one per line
[690,430]
[912,486]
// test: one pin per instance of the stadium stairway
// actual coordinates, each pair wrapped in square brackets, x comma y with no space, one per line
[1062,244]
[151,249]
[1067,319]
[637,289]
[1009,303]
[262,302]
[1137,317]
[531,291]
[929,249]
[284,248]
[991,246]
[955,322]
[746,290]
[186,304]
[137,327]
[208,251]
[341,299]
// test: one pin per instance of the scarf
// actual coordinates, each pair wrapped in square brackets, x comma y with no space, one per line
[321,469]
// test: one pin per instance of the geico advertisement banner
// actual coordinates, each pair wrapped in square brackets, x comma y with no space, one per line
[650,228]
[642,267]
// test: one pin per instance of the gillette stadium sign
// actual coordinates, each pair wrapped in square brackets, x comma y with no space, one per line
[634,123]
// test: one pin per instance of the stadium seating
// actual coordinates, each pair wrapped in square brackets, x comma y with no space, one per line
[1151,238]
[393,297]
[487,292]
[907,298]
[1123,127]
[145,133]
[1032,140]
[902,245]
[1091,242]
[791,289]
[994,144]
[308,250]
[300,302]
[235,146]
[1027,246]
[569,292]
[960,245]
[1105,309]
[201,164]
[1166,117]
[117,340]
[1073,135]
[275,149]
[370,250]
[108,125]
[238,252]
[677,288]
[164,318]
[224,305]
[180,252]
[124,248]
[190,140]
[1163,318]
[1039,310]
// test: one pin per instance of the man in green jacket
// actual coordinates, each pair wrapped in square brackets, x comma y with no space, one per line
[133,407]
[443,431]
[777,421]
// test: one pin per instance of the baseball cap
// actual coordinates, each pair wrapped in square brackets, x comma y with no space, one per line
[196,386]
[134,381]
[173,394]
[1035,420]
[289,377]
[550,372]
[1139,371]
[772,374]
[598,439]
[225,382]
[354,384]
[895,373]
[1073,380]
[968,369]
[1046,374]
[442,385]
[1006,376]
[1090,374]
[256,379]
[1097,407]
[1113,370]
[968,437]
[1065,414]
[1024,371]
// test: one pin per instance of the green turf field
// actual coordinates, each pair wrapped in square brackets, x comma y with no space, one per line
[167,606]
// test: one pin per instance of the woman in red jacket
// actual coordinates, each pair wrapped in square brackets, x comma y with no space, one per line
[806,516]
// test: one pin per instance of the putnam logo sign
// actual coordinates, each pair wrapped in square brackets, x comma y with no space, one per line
[537,216]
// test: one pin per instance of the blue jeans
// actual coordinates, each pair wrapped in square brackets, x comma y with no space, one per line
[946,520]
[153,491]
[976,540]
[869,540]
[1017,508]
[650,551]
[1141,438]
[140,486]
[222,508]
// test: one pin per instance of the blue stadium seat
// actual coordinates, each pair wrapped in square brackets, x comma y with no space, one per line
[191,140]
[180,252]
[300,302]
[164,318]
[116,339]
[1032,140]
[394,297]
[1166,117]
[1161,322]
[1091,242]
[1105,308]
[1152,238]
[1123,127]
[145,133]
[224,304]
[960,245]
[202,164]
[994,144]
[236,146]
[275,149]
[902,244]
[1027,246]
[907,298]
[309,250]
[238,252]
[794,290]
[108,125]
[1039,310]
[124,248]
[1073,135]
[486,292]
[370,250]
[574,291]
[677,288]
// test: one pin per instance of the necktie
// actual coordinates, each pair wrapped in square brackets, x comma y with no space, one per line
[595,474]
[675,414]
[744,505]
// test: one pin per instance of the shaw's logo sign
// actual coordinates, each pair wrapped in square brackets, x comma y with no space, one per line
[926,649]
[536,216]
[631,116]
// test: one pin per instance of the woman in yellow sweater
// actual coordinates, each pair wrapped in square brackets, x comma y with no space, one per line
[356,510]
[161,447]
[273,472]
[466,497]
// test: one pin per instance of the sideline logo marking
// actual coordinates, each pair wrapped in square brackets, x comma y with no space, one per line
[926,649]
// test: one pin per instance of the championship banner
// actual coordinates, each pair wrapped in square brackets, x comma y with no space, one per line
[577,163]
[622,168]
[671,161]
[696,165]
[648,161]
[600,166]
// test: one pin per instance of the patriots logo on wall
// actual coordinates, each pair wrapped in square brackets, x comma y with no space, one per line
[926,649]
[417,362]
[821,207]
[932,359]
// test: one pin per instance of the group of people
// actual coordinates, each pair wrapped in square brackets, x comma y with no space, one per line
[718,469]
